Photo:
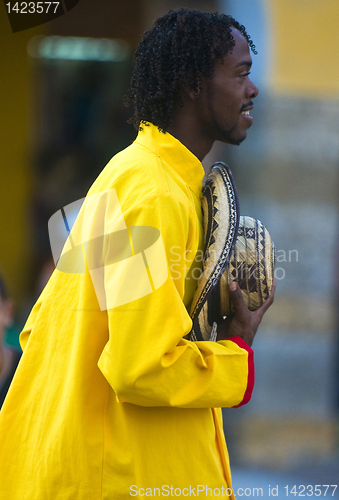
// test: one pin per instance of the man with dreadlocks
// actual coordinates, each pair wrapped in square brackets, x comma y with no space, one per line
[112,402]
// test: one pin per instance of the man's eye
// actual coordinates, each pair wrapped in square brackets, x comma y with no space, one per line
[244,75]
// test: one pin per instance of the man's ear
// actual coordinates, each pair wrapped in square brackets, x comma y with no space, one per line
[188,92]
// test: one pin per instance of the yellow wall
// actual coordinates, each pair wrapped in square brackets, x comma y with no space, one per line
[305,42]
[15,168]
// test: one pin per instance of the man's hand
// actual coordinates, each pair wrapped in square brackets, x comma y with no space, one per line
[243,323]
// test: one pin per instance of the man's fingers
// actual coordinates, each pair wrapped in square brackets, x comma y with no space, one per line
[237,298]
[270,298]
[239,303]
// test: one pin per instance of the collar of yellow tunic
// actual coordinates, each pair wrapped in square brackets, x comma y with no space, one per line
[175,154]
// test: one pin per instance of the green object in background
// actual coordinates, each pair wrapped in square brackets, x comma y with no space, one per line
[12,337]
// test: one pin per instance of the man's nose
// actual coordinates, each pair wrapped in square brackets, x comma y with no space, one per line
[253,90]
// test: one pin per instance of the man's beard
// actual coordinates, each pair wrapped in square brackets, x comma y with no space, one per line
[226,135]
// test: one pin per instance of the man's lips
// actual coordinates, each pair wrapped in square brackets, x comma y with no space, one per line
[246,108]
[245,113]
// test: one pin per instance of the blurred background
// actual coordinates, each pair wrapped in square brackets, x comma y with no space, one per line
[62,118]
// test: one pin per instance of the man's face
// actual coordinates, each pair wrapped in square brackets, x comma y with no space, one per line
[227,96]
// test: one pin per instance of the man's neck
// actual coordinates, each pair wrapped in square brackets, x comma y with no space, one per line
[187,129]
[197,145]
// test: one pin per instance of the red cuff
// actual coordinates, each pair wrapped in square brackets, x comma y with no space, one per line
[250,374]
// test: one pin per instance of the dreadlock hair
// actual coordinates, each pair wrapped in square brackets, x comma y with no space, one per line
[178,52]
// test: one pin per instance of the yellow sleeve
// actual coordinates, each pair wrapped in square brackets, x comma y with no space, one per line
[146,360]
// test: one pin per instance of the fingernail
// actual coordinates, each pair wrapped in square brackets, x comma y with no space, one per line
[233,286]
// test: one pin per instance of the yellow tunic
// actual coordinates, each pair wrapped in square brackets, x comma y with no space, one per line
[116,404]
